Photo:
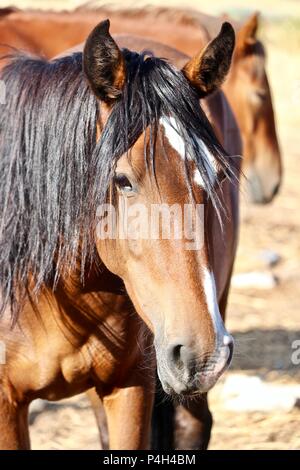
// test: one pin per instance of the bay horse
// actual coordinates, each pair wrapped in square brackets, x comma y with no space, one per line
[108,125]
[246,87]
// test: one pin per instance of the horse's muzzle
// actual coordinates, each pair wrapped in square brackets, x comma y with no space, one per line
[184,372]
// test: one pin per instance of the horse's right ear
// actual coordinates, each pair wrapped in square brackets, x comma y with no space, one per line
[103,64]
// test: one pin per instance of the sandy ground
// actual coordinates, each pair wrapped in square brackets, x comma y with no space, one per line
[264,322]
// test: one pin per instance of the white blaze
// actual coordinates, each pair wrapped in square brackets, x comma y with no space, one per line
[213,308]
[172,133]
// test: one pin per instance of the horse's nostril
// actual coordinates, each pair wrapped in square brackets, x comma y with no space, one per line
[180,357]
[176,352]
[174,355]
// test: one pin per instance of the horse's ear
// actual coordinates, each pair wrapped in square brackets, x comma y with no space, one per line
[103,64]
[246,36]
[208,69]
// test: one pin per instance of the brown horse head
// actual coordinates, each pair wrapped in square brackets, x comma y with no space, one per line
[169,163]
[250,96]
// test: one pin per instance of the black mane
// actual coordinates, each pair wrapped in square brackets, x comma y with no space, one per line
[53,173]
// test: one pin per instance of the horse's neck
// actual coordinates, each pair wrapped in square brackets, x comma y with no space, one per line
[76,307]
[93,278]
[31,31]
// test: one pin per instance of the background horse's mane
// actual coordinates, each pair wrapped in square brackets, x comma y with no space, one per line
[208,24]
[53,173]
[181,16]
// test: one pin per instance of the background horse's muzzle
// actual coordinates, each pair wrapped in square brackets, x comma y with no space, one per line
[262,187]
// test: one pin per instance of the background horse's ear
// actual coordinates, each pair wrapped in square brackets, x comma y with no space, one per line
[246,36]
[103,63]
[208,69]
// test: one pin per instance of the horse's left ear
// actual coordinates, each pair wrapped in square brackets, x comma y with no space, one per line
[208,69]
[103,64]
[246,36]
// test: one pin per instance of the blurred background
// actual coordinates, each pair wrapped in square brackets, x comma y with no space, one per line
[257,403]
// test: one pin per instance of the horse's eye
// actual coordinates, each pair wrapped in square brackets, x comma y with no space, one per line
[123,183]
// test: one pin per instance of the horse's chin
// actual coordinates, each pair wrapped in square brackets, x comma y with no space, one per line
[198,385]
[180,391]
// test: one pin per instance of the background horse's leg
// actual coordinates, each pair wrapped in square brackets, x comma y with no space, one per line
[163,416]
[193,425]
[13,424]
[128,411]
[100,416]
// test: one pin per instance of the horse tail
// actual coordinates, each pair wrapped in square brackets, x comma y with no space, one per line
[163,421]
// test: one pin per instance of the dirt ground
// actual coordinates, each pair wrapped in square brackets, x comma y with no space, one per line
[264,321]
